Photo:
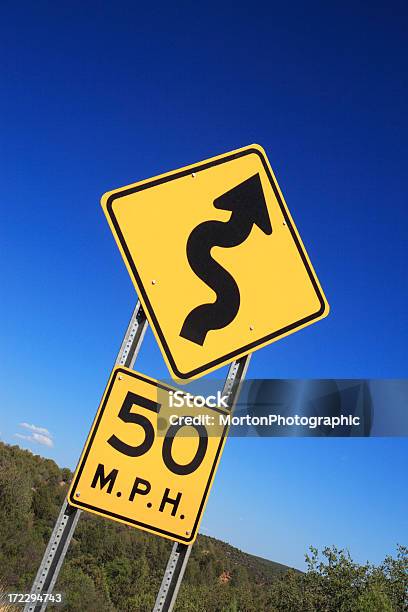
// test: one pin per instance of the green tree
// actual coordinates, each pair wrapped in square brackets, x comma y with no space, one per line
[79,590]
[373,599]
[395,573]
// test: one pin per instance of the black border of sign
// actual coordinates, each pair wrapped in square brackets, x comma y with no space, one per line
[74,500]
[249,347]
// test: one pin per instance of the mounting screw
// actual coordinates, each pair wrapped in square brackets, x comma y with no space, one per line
[120,377]
[187,533]
[251,328]
[193,174]
[284,223]
[77,494]
[154,282]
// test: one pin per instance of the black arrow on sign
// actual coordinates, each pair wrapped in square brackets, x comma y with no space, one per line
[247,203]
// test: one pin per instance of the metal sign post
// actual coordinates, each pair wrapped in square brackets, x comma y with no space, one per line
[180,553]
[68,517]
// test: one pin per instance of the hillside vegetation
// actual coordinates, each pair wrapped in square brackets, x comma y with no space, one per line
[113,568]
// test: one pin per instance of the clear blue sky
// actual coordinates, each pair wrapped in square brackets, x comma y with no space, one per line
[97,95]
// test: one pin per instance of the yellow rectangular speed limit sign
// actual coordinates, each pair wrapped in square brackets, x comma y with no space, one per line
[139,468]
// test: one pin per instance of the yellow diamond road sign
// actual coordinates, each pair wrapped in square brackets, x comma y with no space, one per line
[139,467]
[216,260]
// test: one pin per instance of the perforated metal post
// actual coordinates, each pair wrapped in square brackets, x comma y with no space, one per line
[177,563]
[172,578]
[67,520]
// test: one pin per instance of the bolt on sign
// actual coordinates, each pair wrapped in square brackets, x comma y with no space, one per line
[216,259]
[140,469]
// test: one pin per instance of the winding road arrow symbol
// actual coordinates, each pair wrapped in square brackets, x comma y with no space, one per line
[247,204]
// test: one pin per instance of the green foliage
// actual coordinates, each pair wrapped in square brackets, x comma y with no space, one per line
[373,598]
[334,583]
[113,568]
